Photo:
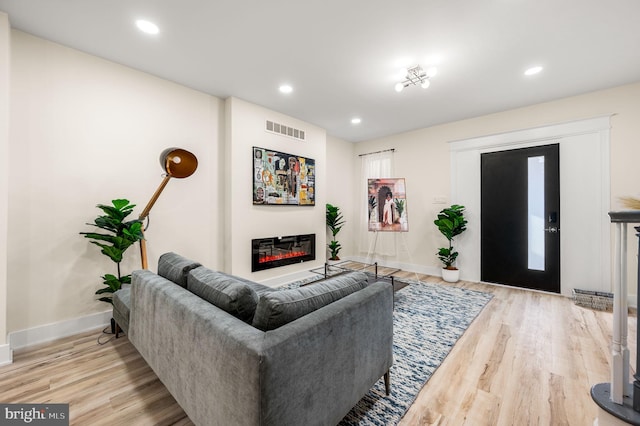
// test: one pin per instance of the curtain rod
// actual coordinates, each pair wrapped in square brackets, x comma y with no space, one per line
[377,152]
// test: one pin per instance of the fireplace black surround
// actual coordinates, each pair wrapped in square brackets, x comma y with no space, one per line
[267,253]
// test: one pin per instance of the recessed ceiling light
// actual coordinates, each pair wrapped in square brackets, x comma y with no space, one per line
[533,70]
[285,88]
[147,27]
[356,120]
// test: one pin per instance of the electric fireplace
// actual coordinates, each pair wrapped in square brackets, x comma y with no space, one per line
[267,253]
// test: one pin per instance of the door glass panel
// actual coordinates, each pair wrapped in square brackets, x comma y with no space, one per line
[535,212]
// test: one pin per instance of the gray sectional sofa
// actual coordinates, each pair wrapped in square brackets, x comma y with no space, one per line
[234,352]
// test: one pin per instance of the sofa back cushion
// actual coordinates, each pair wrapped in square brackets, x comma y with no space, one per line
[258,288]
[224,291]
[278,308]
[175,268]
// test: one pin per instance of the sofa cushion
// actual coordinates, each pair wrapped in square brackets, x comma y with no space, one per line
[278,308]
[175,268]
[258,288]
[224,291]
[122,306]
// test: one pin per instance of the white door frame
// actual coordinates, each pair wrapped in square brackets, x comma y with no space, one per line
[584,197]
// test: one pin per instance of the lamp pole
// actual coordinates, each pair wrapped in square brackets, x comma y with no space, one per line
[178,163]
[145,214]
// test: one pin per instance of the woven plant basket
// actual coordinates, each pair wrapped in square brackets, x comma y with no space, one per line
[599,300]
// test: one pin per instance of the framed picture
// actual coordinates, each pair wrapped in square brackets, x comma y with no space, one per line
[387,205]
[283,179]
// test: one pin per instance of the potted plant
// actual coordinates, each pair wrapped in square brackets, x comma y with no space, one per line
[400,208]
[372,206]
[118,236]
[450,223]
[335,222]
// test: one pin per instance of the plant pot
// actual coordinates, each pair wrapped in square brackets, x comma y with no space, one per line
[450,275]
[332,261]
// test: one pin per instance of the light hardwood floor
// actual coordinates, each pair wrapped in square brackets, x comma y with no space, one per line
[529,358]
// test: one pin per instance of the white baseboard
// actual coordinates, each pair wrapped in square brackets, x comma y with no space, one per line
[421,269]
[49,332]
[6,355]
[286,279]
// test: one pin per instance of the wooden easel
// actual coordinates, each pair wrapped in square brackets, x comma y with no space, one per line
[371,253]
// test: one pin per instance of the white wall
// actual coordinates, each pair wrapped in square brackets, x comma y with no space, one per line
[246,128]
[424,159]
[342,183]
[85,131]
[5,47]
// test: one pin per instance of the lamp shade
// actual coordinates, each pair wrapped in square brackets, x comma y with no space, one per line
[178,163]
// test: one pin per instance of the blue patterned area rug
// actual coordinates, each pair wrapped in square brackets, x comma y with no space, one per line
[428,320]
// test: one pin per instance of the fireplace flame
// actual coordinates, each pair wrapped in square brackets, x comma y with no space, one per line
[273,258]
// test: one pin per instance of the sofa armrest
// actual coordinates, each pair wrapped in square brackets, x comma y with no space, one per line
[316,368]
[208,359]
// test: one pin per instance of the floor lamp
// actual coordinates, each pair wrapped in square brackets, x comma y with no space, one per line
[178,163]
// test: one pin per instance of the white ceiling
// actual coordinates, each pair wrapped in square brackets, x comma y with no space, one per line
[343,57]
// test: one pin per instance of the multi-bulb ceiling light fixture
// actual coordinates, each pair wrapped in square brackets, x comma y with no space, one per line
[417,76]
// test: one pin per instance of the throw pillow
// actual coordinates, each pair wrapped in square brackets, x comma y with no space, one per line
[175,268]
[224,291]
[278,308]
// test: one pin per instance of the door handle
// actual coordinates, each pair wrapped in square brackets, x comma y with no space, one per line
[552,229]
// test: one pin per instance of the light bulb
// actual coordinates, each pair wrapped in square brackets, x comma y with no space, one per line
[399,87]
[425,83]
[533,70]
[432,71]
[147,27]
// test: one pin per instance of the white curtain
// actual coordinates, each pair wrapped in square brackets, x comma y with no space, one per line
[378,165]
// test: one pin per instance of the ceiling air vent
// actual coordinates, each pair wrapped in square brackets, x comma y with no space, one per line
[283,130]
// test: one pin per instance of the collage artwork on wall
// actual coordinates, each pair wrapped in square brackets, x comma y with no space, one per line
[283,179]
[387,205]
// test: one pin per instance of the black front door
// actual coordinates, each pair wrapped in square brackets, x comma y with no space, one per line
[520,218]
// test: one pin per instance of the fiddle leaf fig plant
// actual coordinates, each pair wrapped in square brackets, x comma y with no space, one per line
[116,237]
[450,223]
